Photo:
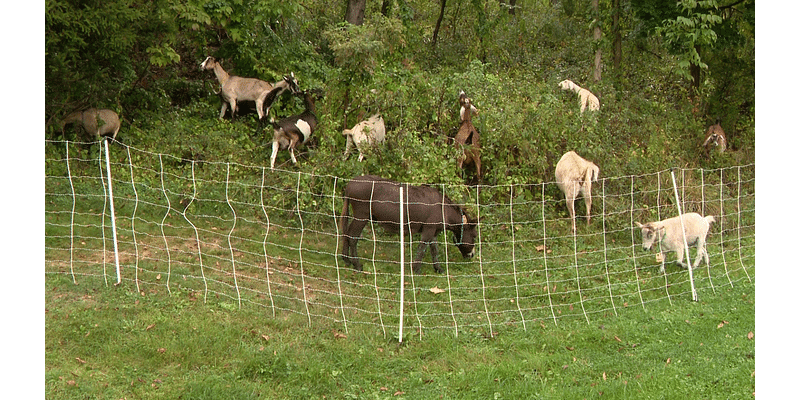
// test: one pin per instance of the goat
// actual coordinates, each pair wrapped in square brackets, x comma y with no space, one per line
[427,212]
[468,137]
[235,88]
[574,175]
[586,98]
[365,133]
[96,122]
[294,130]
[462,98]
[668,234]
[715,138]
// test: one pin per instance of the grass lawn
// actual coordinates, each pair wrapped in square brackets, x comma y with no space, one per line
[114,343]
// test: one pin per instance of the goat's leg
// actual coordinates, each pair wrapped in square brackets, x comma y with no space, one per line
[701,251]
[435,257]
[259,106]
[679,252]
[420,254]
[275,147]
[348,146]
[587,199]
[223,109]
[350,254]
[571,209]
[292,144]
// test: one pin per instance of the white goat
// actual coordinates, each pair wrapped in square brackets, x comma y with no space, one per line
[96,122]
[715,138]
[235,88]
[365,133]
[293,131]
[574,175]
[586,97]
[668,234]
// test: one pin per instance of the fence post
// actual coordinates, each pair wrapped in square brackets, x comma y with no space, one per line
[402,268]
[113,217]
[683,232]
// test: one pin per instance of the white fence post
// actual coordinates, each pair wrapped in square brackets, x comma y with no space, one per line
[683,231]
[113,217]
[402,268]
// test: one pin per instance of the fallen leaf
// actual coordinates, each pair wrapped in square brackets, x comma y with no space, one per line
[751,335]
[80,361]
[604,375]
[436,290]
[617,339]
[669,360]
[399,393]
[162,350]
[151,326]
[265,337]
[339,335]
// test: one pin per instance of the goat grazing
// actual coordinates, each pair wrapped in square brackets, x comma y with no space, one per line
[294,130]
[235,88]
[574,175]
[586,98]
[96,122]
[428,212]
[668,234]
[365,133]
[715,138]
[468,137]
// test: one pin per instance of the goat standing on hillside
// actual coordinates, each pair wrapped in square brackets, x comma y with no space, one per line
[96,122]
[586,98]
[574,175]
[235,88]
[294,130]
[365,133]
[468,137]
[715,138]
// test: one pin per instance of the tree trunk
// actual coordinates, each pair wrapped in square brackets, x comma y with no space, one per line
[598,34]
[617,31]
[438,24]
[386,8]
[355,11]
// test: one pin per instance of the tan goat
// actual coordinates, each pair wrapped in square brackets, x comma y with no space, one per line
[468,137]
[96,122]
[574,175]
[715,139]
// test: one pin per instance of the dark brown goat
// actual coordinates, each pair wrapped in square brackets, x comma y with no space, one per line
[427,212]
[468,137]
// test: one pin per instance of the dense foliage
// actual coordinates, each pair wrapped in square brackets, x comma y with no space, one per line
[142,60]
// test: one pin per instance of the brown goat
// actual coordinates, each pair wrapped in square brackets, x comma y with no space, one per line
[468,137]
[715,138]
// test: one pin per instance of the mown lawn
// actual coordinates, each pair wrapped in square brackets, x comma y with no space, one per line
[114,343]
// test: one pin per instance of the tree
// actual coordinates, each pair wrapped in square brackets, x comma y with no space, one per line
[355,11]
[598,36]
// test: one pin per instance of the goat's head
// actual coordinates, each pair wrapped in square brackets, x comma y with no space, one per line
[465,236]
[651,233]
[291,81]
[566,84]
[208,63]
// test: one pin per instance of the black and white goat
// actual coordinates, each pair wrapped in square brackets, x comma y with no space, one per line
[291,131]
[236,88]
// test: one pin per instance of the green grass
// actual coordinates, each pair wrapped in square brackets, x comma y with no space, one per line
[110,342]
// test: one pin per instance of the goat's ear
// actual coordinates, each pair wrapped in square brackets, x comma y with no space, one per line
[639,224]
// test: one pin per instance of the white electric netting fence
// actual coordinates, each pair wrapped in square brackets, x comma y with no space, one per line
[245,235]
